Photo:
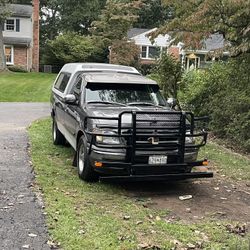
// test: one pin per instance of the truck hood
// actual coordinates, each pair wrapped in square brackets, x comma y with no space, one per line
[113,112]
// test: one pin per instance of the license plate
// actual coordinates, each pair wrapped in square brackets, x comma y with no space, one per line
[157,159]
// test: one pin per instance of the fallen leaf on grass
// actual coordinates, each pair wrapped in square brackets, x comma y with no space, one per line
[52,244]
[190,246]
[158,218]
[123,237]
[139,222]
[238,229]
[143,246]
[126,217]
[148,246]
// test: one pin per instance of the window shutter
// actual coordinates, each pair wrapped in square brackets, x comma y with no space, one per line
[17,25]
[3,24]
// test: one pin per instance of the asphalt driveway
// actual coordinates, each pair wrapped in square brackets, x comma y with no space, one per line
[22,222]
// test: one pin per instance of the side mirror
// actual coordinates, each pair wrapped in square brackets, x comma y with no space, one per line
[172,102]
[70,99]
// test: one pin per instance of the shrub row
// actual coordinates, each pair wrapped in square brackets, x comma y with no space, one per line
[223,93]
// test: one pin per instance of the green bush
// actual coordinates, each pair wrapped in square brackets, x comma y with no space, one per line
[146,69]
[223,93]
[16,68]
[72,47]
[169,73]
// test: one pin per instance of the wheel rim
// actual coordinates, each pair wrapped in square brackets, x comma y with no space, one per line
[81,159]
[54,131]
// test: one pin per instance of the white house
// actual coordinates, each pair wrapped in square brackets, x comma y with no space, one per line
[21,36]
[149,51]
[190,58]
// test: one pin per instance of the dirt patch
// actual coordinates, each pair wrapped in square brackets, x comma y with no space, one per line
[216,198]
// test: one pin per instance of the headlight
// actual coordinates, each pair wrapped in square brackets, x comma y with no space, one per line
[189,140]
[107,139]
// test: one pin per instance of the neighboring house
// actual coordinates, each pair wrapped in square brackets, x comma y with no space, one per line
[190,58]
[202,58]
[21,36]
[149,51]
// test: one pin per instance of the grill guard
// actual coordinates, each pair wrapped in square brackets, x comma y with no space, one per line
[150,133]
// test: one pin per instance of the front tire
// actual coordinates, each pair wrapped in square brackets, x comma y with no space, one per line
[85,170]
[58,137]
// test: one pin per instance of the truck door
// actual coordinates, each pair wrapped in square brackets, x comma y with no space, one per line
[59,105]
[71,115]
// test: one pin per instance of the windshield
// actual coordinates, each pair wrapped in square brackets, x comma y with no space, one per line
[128,94]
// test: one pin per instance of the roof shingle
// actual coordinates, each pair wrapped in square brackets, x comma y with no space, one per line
[21,10]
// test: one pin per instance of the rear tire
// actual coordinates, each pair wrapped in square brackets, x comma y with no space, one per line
[85,170]
[58,137]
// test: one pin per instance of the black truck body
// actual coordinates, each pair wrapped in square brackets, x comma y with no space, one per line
[122,140]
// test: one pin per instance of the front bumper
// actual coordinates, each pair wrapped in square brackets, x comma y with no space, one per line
[115,167]
[163,177]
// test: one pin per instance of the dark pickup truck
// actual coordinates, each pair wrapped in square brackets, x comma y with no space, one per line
[121,127]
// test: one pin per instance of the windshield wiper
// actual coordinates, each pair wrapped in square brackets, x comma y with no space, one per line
[142,104]
[104,102]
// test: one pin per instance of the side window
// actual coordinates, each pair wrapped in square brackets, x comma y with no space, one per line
[62,81]
[76,89]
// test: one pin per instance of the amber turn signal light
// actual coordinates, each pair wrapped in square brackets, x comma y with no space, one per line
[205,163]
[98,164]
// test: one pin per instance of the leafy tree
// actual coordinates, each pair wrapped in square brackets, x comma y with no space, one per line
[152,14]
[116,19]
[50,20]
[125,53]
[71,47]
[196,19]
[77,16]
[4,13]
[169,73]
[68,15]
[62,16]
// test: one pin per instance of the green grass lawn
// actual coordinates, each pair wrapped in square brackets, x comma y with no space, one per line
[25,87]
[101,216]
[228,163]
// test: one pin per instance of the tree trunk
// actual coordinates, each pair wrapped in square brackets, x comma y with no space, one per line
[3,66]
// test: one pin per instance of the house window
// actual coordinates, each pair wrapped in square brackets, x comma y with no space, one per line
[10,24]
[150,52]
[144,52]
[154,52]
[9,55]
